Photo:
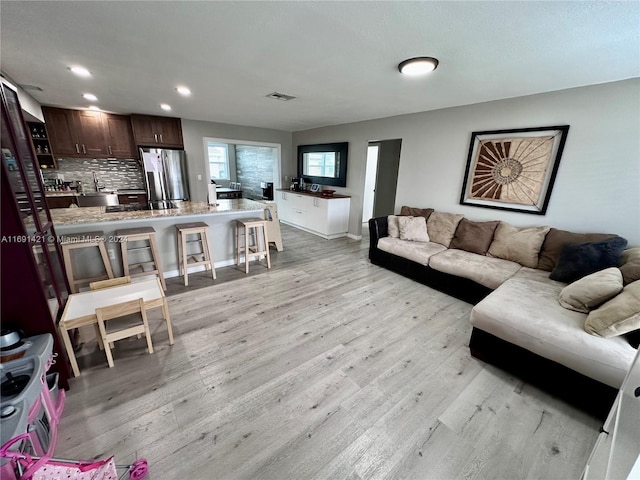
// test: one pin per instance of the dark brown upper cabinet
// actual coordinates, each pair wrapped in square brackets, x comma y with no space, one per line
[62,131]
[119,136]
[152,131]
[84,133]
[91,135]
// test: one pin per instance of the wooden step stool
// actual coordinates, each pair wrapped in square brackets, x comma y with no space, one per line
[204,257]
[75,241]
[248,227]
[141,234]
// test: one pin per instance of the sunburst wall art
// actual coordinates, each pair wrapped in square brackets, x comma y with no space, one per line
[513,169]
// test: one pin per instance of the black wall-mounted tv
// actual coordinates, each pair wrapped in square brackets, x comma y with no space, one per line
[325,164]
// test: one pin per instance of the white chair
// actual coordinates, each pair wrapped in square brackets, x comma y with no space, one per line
[120,321]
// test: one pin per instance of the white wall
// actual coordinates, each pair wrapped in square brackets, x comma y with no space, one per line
[193,131]
[597,188]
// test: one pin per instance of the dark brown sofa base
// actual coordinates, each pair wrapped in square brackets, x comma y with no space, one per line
[576,389]
[458,287]
[583,392]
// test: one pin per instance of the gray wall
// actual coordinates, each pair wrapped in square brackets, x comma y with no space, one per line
[193,132]
[254,165]
[597,188]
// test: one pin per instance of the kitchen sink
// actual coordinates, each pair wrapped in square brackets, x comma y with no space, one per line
[97,199]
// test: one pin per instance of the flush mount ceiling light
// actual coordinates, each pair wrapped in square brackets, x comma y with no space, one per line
[184,91]
[418,66]
[89,96]
[80,71]
[94,108]
[165,106]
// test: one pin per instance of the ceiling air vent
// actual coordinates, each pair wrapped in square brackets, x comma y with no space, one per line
[280,96]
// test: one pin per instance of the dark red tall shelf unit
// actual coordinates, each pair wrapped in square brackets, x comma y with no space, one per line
[32,284]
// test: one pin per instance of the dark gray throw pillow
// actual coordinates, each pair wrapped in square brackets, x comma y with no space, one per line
[578,260]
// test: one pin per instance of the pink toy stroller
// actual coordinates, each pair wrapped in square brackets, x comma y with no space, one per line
[23,466]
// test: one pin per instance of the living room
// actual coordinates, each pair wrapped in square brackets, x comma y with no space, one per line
[326,366]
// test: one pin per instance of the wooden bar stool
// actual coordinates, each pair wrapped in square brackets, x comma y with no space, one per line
[140,234]
[203,257]
[76,241]
[248,227]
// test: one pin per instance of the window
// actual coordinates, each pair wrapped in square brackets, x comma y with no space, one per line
[320,164]
[218,161]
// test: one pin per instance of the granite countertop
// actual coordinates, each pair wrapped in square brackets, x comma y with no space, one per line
[312,194]
[76,216]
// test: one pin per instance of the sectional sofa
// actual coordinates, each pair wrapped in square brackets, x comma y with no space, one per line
[574,334]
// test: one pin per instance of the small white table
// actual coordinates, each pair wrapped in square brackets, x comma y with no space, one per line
[80,309]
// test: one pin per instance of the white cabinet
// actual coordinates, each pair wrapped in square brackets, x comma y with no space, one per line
[616,454]
[326,217]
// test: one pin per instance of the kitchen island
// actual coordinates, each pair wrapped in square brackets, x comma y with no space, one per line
[220,218]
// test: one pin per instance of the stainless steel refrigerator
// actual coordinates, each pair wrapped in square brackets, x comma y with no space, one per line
[165,174]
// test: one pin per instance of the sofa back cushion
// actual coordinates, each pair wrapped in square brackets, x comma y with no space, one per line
[416,212]
[474,237]
[413,229]
[520,245]
[578,260]
[556,239]
[442,227]
[630,265]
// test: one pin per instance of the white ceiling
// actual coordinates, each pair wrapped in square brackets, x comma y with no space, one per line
[339,58]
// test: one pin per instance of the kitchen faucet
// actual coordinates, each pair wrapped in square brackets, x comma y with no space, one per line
[96,182]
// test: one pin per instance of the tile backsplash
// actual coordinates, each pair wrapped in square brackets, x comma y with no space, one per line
[112,173]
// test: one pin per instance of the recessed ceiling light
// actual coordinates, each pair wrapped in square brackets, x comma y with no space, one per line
[94,108]
[89,96]
[418,65]
[80,71]
[165,106]
[183,91]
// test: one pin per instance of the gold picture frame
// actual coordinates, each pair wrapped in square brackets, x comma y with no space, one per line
[513,169]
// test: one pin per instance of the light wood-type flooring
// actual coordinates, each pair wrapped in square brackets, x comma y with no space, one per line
[324,367]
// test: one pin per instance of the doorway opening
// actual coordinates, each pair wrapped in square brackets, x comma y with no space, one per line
[381,178]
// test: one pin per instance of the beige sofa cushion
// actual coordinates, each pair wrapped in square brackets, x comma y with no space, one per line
[619,315]
[442,227]
[393,228]
[415,251]
[487,271]
[557,239]
[474,237]
[520,245]
[413,229]
[525,311]
[591,291]
[630,265]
